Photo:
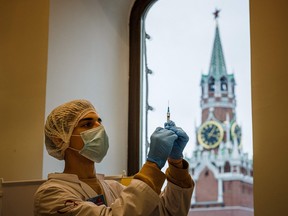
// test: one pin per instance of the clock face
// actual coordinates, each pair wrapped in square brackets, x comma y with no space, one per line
[236,132]
[210,134]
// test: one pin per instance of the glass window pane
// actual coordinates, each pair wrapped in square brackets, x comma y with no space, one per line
[194,54]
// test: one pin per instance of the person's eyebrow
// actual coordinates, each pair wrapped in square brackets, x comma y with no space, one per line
[85,119]
[90,119]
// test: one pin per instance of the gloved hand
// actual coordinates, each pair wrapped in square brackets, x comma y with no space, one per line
[161,145]
[179,143]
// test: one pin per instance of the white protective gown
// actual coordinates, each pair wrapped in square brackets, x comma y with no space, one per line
[65,194]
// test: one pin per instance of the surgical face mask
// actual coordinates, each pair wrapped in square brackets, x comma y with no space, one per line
[96,144]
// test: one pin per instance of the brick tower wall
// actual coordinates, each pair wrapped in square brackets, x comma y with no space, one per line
[207,187]
[238,193]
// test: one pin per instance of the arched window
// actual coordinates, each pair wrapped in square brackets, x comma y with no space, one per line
[211,84]
[138,72]
[223,82]
[227,167]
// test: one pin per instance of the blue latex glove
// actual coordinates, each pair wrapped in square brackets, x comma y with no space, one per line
[179,143]
[161,143]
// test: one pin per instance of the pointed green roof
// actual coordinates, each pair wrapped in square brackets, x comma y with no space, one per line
[217,64]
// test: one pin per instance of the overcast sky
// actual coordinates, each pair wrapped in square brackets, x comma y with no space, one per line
[180,50]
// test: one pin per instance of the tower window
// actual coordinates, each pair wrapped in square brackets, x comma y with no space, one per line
[223,82]
[227,167]
[211,84]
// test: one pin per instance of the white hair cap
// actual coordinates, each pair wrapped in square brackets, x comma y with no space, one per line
[61,123]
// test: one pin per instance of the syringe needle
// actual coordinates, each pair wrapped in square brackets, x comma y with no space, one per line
[168,113]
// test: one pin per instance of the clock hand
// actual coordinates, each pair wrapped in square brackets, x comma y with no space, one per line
[215,135]
[211,132]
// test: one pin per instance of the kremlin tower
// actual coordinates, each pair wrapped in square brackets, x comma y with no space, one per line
[221,169]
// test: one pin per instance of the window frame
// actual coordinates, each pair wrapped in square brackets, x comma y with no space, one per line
[135,27]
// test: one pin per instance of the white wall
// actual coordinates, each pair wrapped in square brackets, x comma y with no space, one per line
[88,58]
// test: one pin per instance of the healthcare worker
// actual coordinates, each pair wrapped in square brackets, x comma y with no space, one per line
[74,133]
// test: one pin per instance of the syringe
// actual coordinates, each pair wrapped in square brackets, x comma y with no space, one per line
[168,113]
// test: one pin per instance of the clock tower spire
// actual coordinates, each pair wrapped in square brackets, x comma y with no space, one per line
[217,98]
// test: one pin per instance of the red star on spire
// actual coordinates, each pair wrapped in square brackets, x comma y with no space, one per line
[216,13]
